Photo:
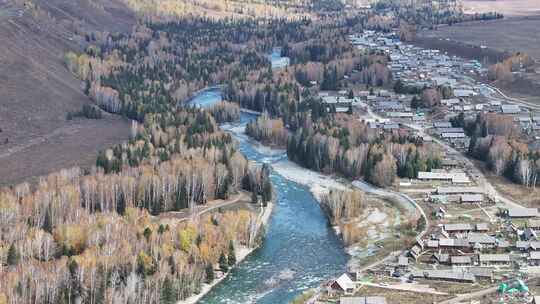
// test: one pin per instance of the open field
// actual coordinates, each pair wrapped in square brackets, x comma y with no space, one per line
[37,91]
[506,7]
[507,35]
[491,42]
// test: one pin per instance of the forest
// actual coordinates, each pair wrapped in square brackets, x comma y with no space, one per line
[318,138]
[495,139]
[269,131]
[340,144]
[422,13]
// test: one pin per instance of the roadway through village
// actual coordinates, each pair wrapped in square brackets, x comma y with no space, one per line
[477,175]
[474,171]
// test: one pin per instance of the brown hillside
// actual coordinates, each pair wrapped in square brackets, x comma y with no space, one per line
[36,90]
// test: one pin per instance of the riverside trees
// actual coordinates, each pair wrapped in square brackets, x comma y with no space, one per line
[341,144]
[495,140]
[268,131]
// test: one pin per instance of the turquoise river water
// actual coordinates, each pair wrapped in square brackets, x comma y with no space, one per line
[300,249]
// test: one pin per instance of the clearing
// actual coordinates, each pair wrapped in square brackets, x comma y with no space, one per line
[506,7]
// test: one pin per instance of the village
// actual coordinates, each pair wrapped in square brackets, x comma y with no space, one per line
[476,242]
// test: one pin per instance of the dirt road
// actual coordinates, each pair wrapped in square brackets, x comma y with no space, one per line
[187,214]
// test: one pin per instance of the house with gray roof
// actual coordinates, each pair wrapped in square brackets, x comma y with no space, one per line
[362,300]
[510,109]
[460,260]
[528,245]
[534,258]
[445,275]
[481,238]
[459,190]
[471,198]
[494,259]
[522,212]
[458,228]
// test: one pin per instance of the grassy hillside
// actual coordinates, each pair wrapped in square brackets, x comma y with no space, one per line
[37,90]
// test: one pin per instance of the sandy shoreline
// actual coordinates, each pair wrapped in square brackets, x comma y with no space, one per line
[241,254]
[318,183]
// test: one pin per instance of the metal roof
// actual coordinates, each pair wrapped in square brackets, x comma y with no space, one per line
[460,259]
[523,212]
[457,227]
[362,300]
[468,198]
[459,190]
[494,258]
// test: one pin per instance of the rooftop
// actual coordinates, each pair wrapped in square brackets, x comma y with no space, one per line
[362,300]
[494,258]
[523,212]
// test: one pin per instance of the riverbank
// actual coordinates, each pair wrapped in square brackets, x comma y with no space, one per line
[318,183]
[241,254]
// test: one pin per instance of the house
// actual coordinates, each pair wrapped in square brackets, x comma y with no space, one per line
[529,235]
[420,243]
[343,284]
[440,258]
[362,300]
[471,198]
[450,163]
[459,190]
[432,244]
[464,93]
[441,213]
[481,238]
[494,259]
[482,227]
[534,258]
[442,124]
[458,228]
[528,246]
[456,244]
[503,244]
[481,273]
[415,252]
[445,275]
[403,262]
[454,177]
[453,135]
[522,212]
[460,260]
[449,130]
[510,109]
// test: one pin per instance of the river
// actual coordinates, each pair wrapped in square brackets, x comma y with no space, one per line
[300,249]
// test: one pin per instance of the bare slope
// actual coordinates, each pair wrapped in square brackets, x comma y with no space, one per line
[519,34]
[506,7]
[36,90]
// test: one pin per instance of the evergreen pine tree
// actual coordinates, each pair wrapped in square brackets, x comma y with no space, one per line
[209,273]
[13,255]
[47,222]
[267,191]
[147,233]
[232,254]
[223,263]
[121,204]
[254,197]
[168,293]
